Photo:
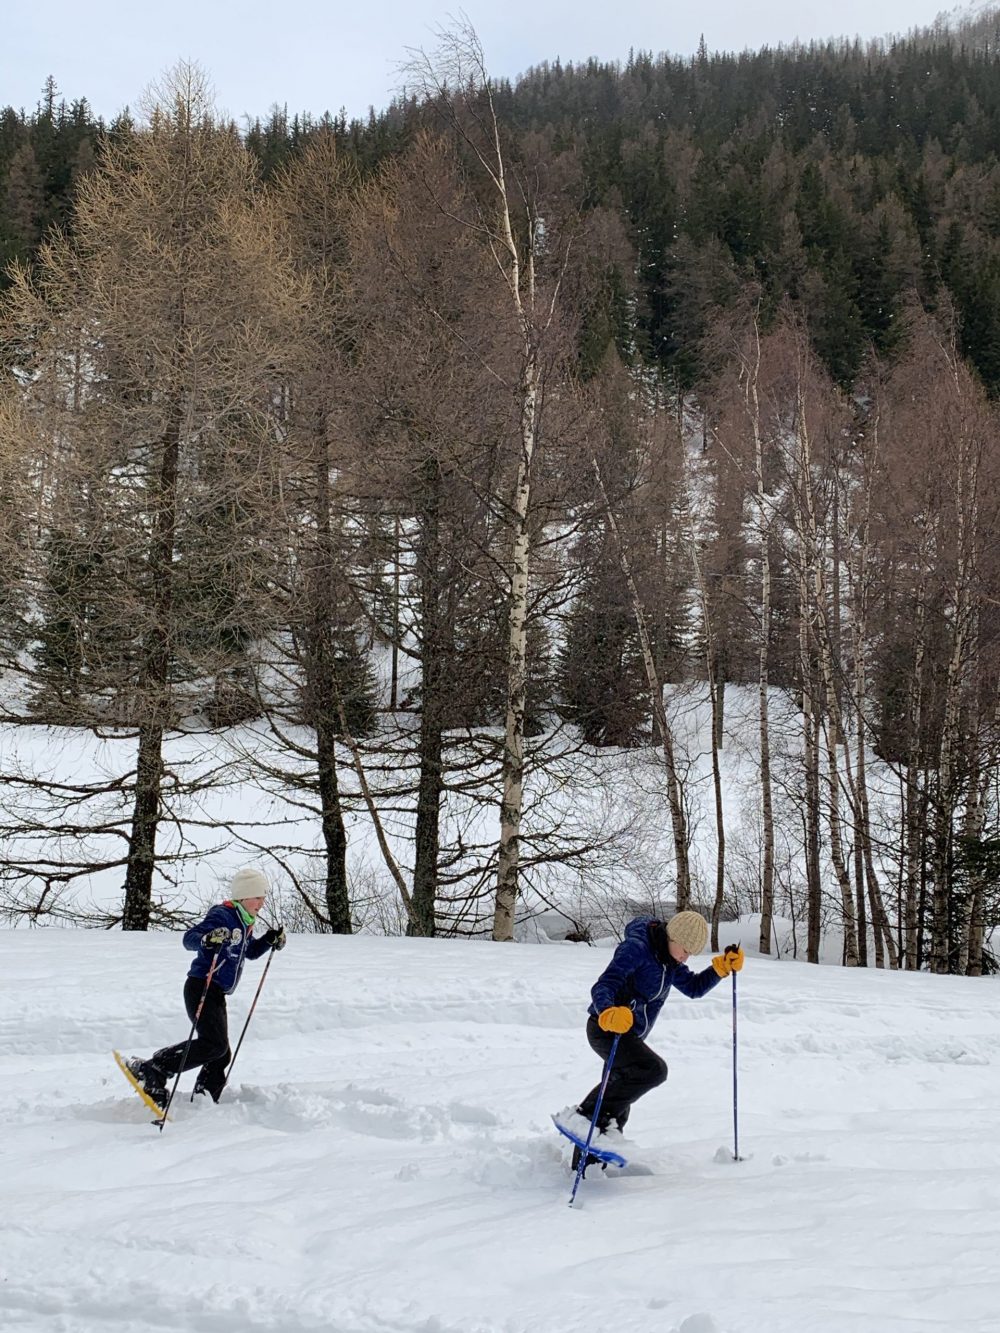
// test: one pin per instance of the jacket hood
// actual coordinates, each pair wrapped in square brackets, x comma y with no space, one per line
[651,931]
[639,928]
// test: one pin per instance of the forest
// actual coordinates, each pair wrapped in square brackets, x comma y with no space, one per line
[446,447]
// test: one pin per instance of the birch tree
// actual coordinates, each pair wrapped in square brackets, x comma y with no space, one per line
[524,240]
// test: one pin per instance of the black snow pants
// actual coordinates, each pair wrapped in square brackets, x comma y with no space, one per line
[635,1071]
[210,1048]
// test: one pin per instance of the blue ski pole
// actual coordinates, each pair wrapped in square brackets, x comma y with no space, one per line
[736,1127]
[582,1164]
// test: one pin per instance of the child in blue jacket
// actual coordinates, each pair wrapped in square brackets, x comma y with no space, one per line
[625,1002]
[221,944]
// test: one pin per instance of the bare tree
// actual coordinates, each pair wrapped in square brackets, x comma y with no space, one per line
[319,656]
[521,233]
[678,817]
[153,337]
[860,569]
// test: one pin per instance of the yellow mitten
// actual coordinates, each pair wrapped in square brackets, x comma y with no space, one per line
[616,1019]
[730,961]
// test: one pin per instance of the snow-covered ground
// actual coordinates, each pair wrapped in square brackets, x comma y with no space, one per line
[384,1162]
[611,801]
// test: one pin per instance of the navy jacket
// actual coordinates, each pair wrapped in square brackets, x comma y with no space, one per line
[242,945]
[641,976]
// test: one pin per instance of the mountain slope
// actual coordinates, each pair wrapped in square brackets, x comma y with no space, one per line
[384,1161]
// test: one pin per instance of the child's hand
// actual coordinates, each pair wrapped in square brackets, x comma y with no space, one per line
[216,937]
[730,961]
[618,1018]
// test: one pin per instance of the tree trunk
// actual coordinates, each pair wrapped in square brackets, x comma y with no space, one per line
[752,400]
[324,689]
[814,887]
[859,902]
[915,803]
[678,819]
[394,678]
[814,556]
[338,902]
[962,625]
[716,726]
[512,773]
[142,839]
[427,835]
[154,686]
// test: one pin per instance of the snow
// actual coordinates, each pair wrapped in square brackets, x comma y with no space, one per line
[384,1161]
[611,801]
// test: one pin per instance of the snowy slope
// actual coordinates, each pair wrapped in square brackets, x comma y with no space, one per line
[241,815]
[385,1164]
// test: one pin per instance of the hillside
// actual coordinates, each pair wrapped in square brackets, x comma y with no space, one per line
[384,1162]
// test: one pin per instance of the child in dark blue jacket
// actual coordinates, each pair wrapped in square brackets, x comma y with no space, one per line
[221,944]
[626,999]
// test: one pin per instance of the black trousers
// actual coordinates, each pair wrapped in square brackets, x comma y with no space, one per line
[210,1048]
[635,1071]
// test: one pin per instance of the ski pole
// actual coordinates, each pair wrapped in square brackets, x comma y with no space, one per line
[736,1127]
[582,1164]
[197,1014]
[253,1006]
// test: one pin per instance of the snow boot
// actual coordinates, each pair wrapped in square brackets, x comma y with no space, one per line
[205,1089]
[151,1078]
[591,1161]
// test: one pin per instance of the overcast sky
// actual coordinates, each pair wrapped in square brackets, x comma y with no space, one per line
[319,55]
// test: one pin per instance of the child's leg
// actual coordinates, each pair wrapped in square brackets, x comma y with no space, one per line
[210,1046]
[636,1070]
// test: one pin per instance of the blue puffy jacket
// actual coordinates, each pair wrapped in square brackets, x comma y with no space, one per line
[242,945]
[639,977]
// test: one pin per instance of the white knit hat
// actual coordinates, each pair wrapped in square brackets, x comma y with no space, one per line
[689,930]
[248,883]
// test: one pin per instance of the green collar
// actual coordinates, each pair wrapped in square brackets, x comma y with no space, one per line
[245,916]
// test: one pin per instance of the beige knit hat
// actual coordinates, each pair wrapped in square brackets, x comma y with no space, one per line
[248,883]
[689,930]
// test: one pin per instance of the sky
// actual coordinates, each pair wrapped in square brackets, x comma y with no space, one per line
[382,1160]
[320,56]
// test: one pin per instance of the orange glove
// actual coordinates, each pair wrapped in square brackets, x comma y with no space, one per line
[730,961]
[616,1019]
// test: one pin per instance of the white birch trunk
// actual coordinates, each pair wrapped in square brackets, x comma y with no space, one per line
[713,695]
[512,772]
